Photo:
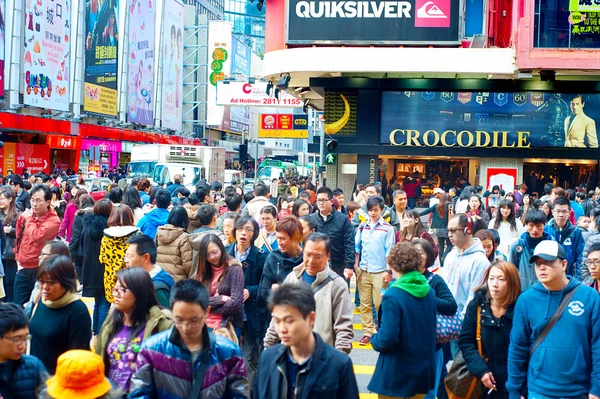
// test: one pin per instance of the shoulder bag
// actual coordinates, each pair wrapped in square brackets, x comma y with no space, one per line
[204,363]
[460,383]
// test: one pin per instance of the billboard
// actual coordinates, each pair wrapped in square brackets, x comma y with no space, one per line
[219,67]
[172,79]
[373,22]
[241,57]
[489,120]
[253,95]
[340,113]
[101,52]
[46,55]
[18,156]
[282,126]
[2,31]
[140,100]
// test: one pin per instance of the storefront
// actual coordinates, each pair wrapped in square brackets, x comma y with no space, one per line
[64,151]
[99,155]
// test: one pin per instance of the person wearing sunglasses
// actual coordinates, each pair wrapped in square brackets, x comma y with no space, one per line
[21,374]
[136,316]
[60,320]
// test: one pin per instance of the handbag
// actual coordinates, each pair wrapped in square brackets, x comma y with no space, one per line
[227,332]
[460,383]
[448,327]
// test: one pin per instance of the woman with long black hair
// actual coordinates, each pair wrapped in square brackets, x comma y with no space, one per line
[507,224]
[439,224]
[135,317]
[8,218]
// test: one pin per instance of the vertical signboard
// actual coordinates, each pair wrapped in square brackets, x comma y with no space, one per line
[172,65]
[101,52]
[140,103]
[241,56]
[219,66]
[46,59]
[2,30]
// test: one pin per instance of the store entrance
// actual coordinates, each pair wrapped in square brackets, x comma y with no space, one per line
[565,173]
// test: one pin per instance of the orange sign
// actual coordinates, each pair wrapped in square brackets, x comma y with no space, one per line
[63,142]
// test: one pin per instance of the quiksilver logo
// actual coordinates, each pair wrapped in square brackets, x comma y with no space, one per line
[353,9]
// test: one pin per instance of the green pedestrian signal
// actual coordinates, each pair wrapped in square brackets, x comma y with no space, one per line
[330,159]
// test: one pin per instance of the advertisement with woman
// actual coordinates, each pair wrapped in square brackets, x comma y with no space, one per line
[140,102]
[101,51]
[172,84]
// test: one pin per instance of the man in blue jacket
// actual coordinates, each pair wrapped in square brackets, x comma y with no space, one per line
[156,217]
[567,362]
[568,235]
[302,366]
[20,374]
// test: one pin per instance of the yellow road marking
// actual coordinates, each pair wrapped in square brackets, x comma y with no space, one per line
[367,396]
[356,345]
[364,369]
[357,327]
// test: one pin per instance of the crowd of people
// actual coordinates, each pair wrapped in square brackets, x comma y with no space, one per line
[214,292]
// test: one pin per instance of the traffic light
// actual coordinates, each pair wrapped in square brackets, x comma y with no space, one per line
[332,145]
[243,150]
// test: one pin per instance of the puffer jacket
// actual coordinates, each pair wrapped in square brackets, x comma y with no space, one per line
[164,369]
[112,254]
[174,251]
[93,270]
[572,241]
[192,211]
[23,377]
[158,321]
[255,206]
[334,324]
[75,243]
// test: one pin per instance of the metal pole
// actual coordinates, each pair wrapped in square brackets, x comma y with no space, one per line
[322,153]
[256,164]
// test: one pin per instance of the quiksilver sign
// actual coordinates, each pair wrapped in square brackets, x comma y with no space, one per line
[373,22]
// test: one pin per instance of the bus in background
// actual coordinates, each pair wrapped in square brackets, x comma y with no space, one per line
[271,169]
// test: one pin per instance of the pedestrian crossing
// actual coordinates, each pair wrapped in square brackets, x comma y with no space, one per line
[363,357]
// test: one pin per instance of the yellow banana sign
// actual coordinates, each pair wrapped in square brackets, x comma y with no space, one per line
[333,128]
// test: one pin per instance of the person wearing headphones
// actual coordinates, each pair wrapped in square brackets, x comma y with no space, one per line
[466,264]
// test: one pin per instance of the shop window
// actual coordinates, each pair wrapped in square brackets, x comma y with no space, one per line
[566,24]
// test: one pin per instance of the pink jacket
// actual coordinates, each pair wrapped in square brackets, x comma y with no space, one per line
[67,223]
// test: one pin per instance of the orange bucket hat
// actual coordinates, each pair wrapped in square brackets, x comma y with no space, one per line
[79,374]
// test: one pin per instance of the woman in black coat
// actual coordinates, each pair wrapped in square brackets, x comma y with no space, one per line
[444,301]
[92,231]
[496,298]
[8,219]
[87,206]
[246,231]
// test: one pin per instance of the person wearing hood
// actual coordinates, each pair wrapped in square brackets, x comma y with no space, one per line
[522,249]
[260,200]
[92,232]
[568,235]
[60,321]
[282,261]
[141,252]
[465,265]
[405,339]
[114,244]
[173,245]
[158,216]
[562,362]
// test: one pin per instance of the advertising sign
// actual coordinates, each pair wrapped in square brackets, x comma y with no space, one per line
[31,156]
[340,113]
[172,84]
[63,142]
[584,5]
[236,119]
[283,126]
[219,60]
[372,22]
[489,120]
[241,56]
[2,15]
[140,102]
[505,178]
[253,95]
[101,52]
[46,59]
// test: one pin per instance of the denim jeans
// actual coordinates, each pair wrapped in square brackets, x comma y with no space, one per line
[24,283]
[10,272]
[439,363]
[101,308]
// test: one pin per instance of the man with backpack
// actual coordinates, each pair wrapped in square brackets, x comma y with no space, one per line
[334,324]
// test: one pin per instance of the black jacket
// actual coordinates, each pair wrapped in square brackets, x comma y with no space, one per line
[75,243]
[277,266]
[93,271]
[329,375]
[341,234]
[8,239]
[495,340]
[256,310]
[21,378]
[23,201]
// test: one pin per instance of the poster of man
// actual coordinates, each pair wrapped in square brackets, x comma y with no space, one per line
[579,127]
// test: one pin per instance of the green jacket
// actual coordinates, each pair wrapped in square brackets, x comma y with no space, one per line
[159,321]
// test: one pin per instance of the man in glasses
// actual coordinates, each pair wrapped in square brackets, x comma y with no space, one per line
[20,374]
[179,362]
[568,235]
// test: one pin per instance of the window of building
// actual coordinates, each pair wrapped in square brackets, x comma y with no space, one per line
[561,24]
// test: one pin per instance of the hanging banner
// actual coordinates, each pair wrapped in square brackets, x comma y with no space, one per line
[219,67]
[2,30]
[46,54]
[241,57]
[101,45]
[140,103]
[172,84]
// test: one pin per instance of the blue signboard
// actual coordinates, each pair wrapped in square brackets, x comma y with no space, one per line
[240,59]
[490,120]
